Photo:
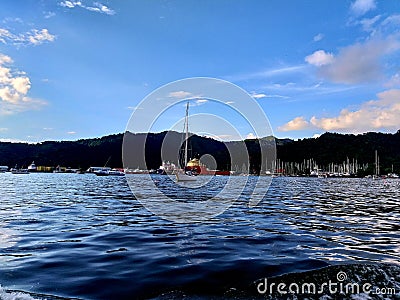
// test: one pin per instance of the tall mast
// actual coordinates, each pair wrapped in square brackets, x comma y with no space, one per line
[377,171]
[187,133]
[379,167]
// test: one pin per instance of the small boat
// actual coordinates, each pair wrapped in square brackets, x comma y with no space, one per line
[3,169]
[98,169]
[17,170]
[106,171]
[182,175]
[32,167]
[393,175]
[167,168]
[135,171]
[112,172]
[115,172]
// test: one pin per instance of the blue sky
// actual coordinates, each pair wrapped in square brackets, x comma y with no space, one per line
[77,69]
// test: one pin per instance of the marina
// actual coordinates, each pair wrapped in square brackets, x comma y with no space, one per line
[197,170]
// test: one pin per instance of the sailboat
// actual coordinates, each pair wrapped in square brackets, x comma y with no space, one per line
[181,175]
[377,168]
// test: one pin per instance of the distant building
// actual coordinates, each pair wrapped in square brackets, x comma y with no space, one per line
[45,169]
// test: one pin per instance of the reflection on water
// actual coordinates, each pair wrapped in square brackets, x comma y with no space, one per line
[85,236]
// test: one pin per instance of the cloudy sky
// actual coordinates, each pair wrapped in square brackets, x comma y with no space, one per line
[77,69]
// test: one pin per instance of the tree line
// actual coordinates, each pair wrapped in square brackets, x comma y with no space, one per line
[326,149]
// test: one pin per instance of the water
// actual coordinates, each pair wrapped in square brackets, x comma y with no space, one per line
[83,236]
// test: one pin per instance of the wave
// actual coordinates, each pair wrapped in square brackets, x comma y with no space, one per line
[14,295]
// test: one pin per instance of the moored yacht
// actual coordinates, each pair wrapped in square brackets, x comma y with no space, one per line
[111,172]
[97,169]
[182,175]
[32,167]
[17,170]
[167,168]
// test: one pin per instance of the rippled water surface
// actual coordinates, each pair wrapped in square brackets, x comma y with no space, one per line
[83,236]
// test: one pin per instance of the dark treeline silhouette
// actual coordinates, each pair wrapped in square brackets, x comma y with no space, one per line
[326,149]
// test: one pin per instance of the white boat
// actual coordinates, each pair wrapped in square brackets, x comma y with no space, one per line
[393,175]
[167,168]
[98,169]
[3,169]
[181,175]
[114,172]
[32,167]
[19,171]
[135,171]
[111,172]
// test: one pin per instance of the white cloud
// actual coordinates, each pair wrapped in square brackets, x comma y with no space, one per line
[33,37]
[316,135]
[319,58]
[101,8]
[14,87]
[12,20]
[251,136]
[180,94]
[380,114]
[5,59]
[393,19]
[6,35]
[361,7]
[279,71]
[3,129]
[96,7]
[358,63]
[262,95]
[7,94]
[39,36]
[49,14]
[201,101]
[394,81]
[24,104]
[377,25]
[298,123]
[21,84]
[369,24]
[277,96]
[16,141]
[318,37]
[223,137]
[71,132]
[70,4]
[258,96]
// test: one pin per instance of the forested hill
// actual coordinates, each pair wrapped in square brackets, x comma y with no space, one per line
[328,148]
